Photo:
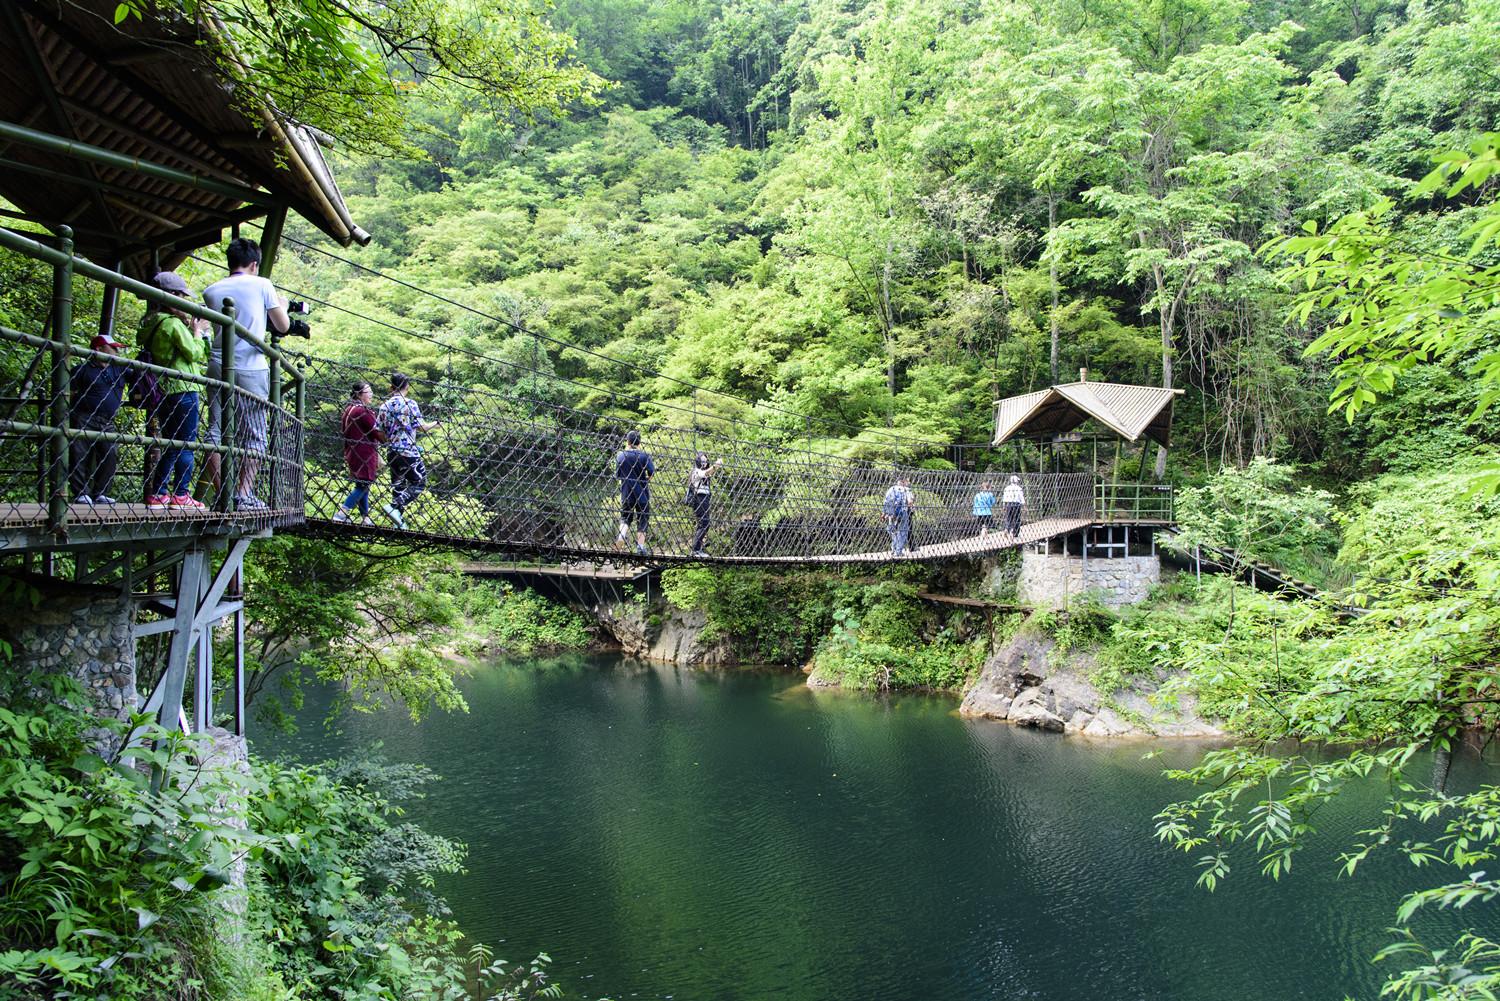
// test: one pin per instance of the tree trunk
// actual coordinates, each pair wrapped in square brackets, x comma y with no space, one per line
[1052,278]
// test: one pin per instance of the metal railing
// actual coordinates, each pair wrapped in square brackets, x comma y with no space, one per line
[1132,502]
[53,451]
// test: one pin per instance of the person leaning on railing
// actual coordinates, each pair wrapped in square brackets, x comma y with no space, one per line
[256,303]
[177,341]
[96,389]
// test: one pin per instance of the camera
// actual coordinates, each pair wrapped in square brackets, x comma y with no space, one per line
[297,327]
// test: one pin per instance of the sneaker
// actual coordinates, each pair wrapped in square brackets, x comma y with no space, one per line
[367,521]
[642,550]
[341,515]
[158,502]
[83,499]
[394,513]
[700,553]
[104,499]
[188,502]
[249,502]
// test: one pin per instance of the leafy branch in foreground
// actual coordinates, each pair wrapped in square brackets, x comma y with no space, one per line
[347,67]
[1396,295]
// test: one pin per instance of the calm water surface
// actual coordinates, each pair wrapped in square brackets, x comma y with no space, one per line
[665,833]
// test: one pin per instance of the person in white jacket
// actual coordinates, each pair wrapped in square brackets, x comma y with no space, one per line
[1012,499]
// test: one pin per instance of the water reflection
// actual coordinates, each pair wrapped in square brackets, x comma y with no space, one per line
[738,836]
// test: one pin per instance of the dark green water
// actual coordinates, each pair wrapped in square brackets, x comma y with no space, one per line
[665,833]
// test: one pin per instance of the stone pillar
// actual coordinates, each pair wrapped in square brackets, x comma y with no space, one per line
[1049,581]
[83,631]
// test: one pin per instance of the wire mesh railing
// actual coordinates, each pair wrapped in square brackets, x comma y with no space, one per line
[503,472]
[112,446]
[1133,502]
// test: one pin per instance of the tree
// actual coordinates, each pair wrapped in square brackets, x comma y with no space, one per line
[347,67]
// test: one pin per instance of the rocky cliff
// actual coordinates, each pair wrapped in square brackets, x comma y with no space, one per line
[1028,682]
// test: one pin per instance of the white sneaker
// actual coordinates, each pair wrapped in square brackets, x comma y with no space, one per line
[395,515]
[104,499]
[367,521]
[83,499]
[341,516]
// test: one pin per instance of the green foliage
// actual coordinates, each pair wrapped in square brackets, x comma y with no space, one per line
[332,65]
[1258,513]
[521,620]
[776,616]
[1398,295]
[366,619]
[1385,690]
[104,878]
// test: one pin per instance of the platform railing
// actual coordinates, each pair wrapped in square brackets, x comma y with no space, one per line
[1133,502]
[51,448]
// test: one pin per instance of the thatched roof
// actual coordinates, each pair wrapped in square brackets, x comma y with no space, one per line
[150,91]
[1128,411]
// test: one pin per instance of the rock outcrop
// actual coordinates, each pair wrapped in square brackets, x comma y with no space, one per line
[664,633]
[1028,683]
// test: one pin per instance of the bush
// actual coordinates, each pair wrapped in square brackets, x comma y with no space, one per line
[519,620]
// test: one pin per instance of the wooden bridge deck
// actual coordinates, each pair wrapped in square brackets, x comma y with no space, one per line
[975,545]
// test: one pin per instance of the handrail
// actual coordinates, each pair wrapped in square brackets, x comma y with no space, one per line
[266,459]
[1115,502]
[11,240]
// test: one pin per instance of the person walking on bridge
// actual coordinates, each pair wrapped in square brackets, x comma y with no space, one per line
[896,509]
[1012,499]
[984,508]
[698,497]
[634,469]
[361,427]
[401,421]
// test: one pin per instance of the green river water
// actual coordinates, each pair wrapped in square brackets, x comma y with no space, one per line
[667,833]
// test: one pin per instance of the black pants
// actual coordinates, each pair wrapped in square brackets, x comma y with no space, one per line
[699,504]
[408,478]
[91,467]
[1013,519]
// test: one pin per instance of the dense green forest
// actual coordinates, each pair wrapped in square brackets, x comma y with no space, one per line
[882,217]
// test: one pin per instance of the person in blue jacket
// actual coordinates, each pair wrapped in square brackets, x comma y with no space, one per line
[984,507]
[634,469]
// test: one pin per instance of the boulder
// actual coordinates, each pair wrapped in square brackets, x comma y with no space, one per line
[1030,709]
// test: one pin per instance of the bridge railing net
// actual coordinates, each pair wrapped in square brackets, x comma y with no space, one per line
[525,475]
[69,431]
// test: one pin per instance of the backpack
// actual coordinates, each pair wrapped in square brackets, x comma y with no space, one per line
[892,506]
[145,390]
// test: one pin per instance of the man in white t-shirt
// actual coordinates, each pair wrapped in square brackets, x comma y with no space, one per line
[255,304]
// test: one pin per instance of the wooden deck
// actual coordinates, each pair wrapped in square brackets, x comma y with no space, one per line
[24,526]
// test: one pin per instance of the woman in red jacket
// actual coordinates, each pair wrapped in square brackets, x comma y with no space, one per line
[361,434]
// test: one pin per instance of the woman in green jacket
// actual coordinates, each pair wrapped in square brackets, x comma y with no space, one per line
[179,342]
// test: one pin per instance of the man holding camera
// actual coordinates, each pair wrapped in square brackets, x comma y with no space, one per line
[255,304]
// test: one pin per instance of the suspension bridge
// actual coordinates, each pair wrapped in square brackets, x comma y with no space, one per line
[143,165]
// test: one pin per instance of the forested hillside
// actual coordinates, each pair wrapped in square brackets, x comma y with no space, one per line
[884,216]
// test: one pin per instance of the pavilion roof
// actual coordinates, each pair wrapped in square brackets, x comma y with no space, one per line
[150,90]
[1129,411]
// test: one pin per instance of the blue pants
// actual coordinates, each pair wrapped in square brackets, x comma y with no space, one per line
[179,422]
[899,530]
[359,497]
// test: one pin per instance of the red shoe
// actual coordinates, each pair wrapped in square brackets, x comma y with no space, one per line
[186,502]
[158,502]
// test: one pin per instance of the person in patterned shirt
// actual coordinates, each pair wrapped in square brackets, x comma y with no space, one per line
[401,420]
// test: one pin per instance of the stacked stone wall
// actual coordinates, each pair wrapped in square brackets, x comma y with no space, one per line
[1049,581]
[83,632]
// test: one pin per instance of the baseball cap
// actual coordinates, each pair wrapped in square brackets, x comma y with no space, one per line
[102,341]
[171,281]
